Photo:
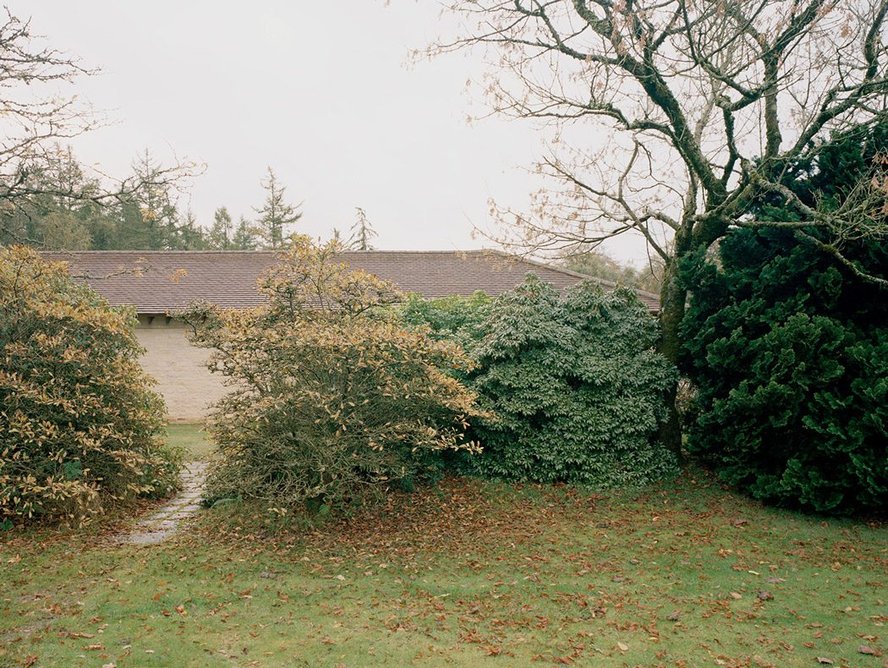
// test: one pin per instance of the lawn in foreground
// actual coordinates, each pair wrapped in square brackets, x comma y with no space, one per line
[468,574]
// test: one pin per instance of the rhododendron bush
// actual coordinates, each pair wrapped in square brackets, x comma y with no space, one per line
[80,427]
[331,395]
[576,387]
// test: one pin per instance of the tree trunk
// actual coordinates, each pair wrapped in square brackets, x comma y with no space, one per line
[672,307]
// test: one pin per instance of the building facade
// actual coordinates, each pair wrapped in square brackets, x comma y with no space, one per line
[157,284]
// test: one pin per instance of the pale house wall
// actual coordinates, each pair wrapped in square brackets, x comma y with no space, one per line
[179,368]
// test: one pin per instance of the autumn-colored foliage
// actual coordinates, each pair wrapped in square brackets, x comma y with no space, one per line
[79,425]
[331,394]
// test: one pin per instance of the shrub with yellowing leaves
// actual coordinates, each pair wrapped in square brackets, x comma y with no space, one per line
[331,394]
[79,425]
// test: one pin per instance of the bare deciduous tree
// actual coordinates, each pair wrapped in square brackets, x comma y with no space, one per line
[37,117]
[670,118]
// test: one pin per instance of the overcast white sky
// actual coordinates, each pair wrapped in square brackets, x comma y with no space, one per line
[319,91]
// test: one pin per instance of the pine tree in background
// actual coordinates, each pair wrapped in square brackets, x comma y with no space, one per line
[155,226]
[190,235]
[275,215]
[150,219]
[220,236]
[244,237]
[361,232]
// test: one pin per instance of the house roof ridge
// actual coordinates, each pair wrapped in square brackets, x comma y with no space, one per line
[576,274]
[130,251]
[168,279]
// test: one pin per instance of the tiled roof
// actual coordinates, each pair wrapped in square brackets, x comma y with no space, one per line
[157,282]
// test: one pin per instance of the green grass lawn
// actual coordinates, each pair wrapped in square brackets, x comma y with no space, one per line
[193,438]
[467,574]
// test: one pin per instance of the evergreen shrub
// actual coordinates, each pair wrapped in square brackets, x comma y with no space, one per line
[573,384]
[788,347]
[80,427]
[789,355]
[456,317]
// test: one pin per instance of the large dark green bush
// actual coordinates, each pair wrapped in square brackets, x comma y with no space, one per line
[574,383]
[789,354]
[788,348]
[80,428]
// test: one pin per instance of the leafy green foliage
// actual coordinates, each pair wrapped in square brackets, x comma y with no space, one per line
[456,317]
[331,394]
[789,355]
[574,384]
[80,428]
[600,265]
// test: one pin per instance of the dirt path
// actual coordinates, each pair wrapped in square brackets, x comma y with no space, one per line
[165,521]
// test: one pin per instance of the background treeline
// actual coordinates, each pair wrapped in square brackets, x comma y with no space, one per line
[582,259]
[68,209]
